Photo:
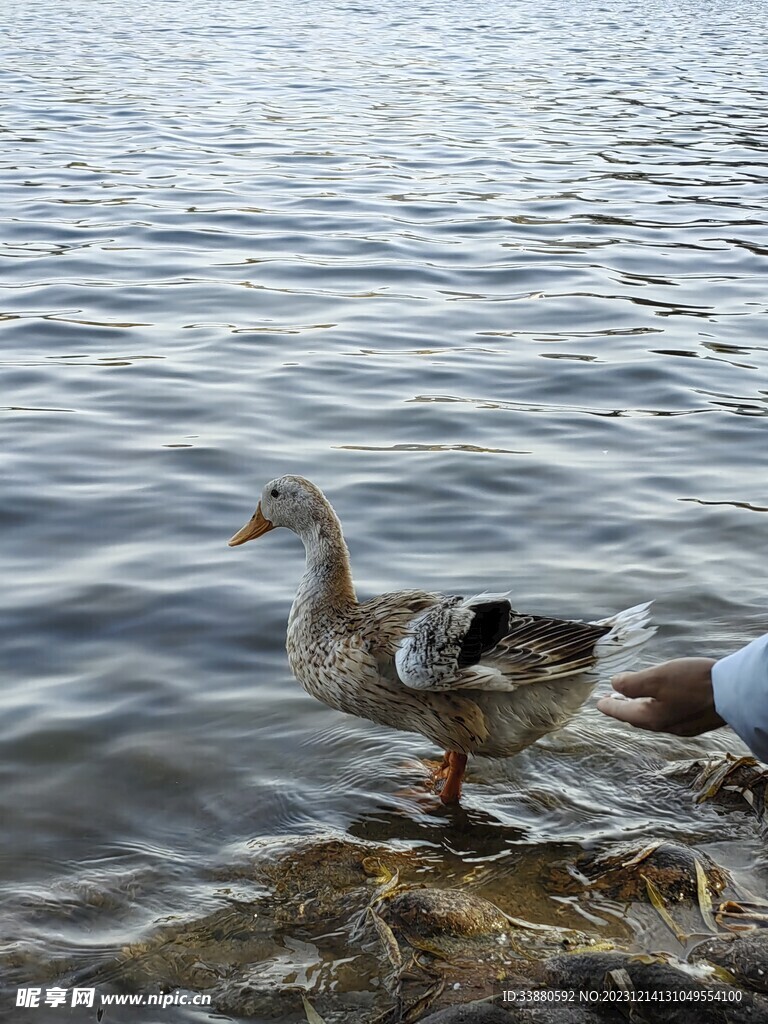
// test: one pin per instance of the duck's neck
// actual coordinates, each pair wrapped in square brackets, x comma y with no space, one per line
[327,579]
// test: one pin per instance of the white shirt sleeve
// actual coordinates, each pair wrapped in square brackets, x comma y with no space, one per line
[740,687]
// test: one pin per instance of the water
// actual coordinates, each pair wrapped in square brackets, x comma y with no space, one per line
[493,278]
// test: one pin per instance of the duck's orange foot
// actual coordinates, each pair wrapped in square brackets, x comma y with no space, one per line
[446,775]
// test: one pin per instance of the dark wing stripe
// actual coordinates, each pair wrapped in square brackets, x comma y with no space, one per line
[490,624]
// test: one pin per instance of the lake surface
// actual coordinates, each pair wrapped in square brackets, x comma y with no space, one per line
[494,278]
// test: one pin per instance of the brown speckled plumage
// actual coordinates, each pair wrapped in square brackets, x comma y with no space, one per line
[471,675]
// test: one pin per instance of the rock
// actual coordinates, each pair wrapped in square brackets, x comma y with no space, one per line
[301,885]
[443,946]
[193,954]
[555,1015]
[435,914]
[319,879]
[613,972]
[733,783]
[620,872]
[744,957]
[448,947]
[470,1013]
[485,1013]
[254,994]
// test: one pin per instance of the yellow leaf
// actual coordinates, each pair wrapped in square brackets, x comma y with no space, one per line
[657,900]
[313,1017]
[705,901]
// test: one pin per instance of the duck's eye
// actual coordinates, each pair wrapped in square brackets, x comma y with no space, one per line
[275,493]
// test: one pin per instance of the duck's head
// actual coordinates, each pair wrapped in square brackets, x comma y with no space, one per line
[289,501]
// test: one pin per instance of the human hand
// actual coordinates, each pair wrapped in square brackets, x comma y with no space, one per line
[674,697]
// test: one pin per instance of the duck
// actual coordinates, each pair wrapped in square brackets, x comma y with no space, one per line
[470,674]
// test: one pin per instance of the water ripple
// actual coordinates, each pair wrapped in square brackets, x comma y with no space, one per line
[496,282]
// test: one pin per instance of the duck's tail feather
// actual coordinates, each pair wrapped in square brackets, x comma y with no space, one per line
[629,630]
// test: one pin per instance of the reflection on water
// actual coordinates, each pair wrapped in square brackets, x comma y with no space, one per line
[495,282]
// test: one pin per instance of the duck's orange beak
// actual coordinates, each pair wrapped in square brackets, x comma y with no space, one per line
[255,527]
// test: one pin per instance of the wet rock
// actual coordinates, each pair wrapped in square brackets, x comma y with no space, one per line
[733,783]
[437,946]
[302,885]
[617,979]
[321,879]
[193,954]
[620,872]
[447,922]
[447,947]
[744,957]
[254,994]
[483,1013]
[443,946]
[471,1013]
[554,1015]
[436,916]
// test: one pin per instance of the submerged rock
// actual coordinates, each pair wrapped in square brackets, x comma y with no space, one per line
[733,783]
[471,1013]
[436,918]
[251,950]
[192,954]
[482,1013]
[352,926]
[259,993]
[744,957]
[657,990]
[320,879]
[445,947]
[620,872]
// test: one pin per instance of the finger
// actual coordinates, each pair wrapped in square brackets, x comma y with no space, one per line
[641,713]
[639,684]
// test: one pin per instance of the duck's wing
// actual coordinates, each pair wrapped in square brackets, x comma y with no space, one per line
[444,640]
[538,648]
[482,643]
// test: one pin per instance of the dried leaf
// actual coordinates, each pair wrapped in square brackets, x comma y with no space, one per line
[650,958]
[619,979]
[741,917]
[378,871]
[391,884]
[373,867]
[313,1017]
[759,911]
[712,780]
[732,926]
[644,853]
[388,1016]
[416,1010]
[705,900]
[657,900]
[388,940]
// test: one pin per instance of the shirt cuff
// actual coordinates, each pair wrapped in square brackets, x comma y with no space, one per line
[740,689]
